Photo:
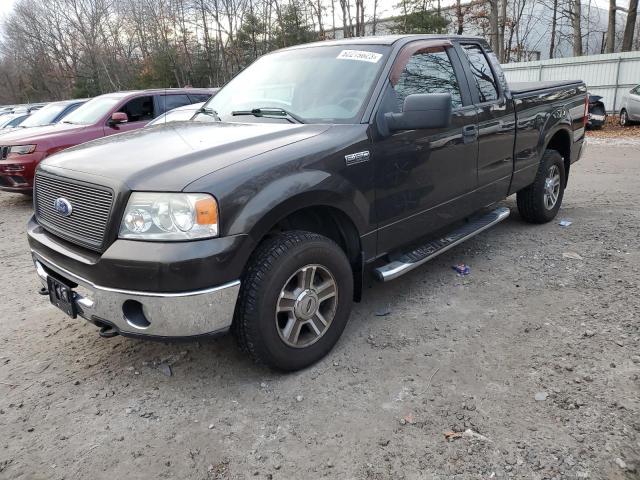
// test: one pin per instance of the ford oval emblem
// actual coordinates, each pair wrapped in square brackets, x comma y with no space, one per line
[62,206]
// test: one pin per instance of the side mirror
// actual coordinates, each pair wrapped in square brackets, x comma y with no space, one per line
[118,118]
[422,110]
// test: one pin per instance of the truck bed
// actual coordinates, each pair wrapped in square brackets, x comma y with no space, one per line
[528,87]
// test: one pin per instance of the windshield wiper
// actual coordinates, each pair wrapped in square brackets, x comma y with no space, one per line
[67,121]
[211,112]
[270,112]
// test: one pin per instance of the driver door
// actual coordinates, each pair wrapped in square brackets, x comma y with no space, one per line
[424,177]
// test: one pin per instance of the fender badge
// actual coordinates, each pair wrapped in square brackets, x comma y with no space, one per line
[355,158]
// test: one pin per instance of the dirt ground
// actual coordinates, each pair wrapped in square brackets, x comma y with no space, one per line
[535,355]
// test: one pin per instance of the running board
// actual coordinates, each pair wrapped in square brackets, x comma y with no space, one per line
[426,252]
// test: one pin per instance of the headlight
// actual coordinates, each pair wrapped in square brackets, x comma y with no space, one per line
[22,149]
[170,216]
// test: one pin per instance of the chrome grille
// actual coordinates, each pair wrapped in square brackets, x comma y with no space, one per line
[88,222]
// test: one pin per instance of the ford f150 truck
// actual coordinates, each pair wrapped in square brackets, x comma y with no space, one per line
[22,150]
[315,165]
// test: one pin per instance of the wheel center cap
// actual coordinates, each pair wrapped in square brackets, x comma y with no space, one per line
[548,186]
[306,305]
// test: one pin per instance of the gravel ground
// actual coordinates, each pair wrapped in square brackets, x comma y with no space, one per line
[526,368]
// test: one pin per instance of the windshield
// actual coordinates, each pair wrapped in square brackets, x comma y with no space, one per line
[11,120]
[44,116]
[92,111]
[316,84]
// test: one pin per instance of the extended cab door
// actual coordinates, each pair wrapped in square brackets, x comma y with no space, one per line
[496,122]
[423,177]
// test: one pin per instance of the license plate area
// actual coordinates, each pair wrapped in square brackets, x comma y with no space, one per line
[61,295]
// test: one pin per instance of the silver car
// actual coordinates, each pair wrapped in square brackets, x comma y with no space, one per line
[630,111]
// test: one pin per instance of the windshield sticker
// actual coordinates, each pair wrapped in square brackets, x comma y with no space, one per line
[360,55]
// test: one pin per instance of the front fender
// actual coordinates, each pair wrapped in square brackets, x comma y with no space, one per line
[286,195]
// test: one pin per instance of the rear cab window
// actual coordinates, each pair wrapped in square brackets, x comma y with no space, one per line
[483,75]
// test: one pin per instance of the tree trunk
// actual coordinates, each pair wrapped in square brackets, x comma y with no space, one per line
[493,26]
[374,24]
[576,17]
[502,24]
[459,17]
[611,27]
[630,26]
[554,23]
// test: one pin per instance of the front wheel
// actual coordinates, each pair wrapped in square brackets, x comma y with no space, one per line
[295,300]
[540,201]
[624,118]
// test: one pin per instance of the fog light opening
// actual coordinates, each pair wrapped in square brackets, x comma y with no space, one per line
[133,313]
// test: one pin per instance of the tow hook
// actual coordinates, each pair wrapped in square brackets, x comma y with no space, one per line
[108,332]
[43,291]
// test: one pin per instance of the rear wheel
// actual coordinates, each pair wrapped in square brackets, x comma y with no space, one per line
[540,201]
[295,300]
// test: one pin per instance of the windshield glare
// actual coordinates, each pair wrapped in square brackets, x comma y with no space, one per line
[45,116]
[317,84]
[92,111]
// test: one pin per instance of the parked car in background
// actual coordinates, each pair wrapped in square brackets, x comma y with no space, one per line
[179,114]
[597,112]
[12,120]
[630,111]
[52,113]
[22,150]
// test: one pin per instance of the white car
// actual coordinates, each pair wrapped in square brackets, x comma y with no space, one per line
[630,111]
[180,114]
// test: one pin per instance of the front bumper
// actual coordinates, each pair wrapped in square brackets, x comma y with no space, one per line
[148,314]
[16,172]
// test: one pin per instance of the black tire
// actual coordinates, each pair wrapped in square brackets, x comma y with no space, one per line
[624,118]
[531,200]
[270,268]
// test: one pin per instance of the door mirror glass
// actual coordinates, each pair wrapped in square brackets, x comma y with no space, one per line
[118,118]
[422,110]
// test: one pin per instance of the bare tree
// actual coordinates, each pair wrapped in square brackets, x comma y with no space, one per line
[630,26]
[576,24]
[611,27]
[554,26]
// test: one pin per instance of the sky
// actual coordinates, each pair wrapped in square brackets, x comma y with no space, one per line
[5,7]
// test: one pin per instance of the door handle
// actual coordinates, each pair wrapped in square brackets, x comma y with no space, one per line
[470,133]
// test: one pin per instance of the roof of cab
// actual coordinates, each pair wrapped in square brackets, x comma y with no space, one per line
[153,91]
[383,40]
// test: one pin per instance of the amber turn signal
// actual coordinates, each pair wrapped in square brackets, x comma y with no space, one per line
[206,211]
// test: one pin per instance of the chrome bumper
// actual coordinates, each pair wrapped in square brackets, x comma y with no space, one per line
[150,314]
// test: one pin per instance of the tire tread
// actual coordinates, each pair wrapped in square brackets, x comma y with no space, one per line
[261,263]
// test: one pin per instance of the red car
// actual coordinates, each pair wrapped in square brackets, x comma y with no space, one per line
[22,150]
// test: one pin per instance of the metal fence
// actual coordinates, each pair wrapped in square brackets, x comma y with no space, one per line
[609,75]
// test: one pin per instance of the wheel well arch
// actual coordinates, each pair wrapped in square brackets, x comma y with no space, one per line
[325,220]
[560,141]
[331,222]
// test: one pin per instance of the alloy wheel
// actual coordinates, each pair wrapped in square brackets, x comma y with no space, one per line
[306,306]
[552,187]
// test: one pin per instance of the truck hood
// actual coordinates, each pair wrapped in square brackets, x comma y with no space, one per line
[170,156]
[36,135]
